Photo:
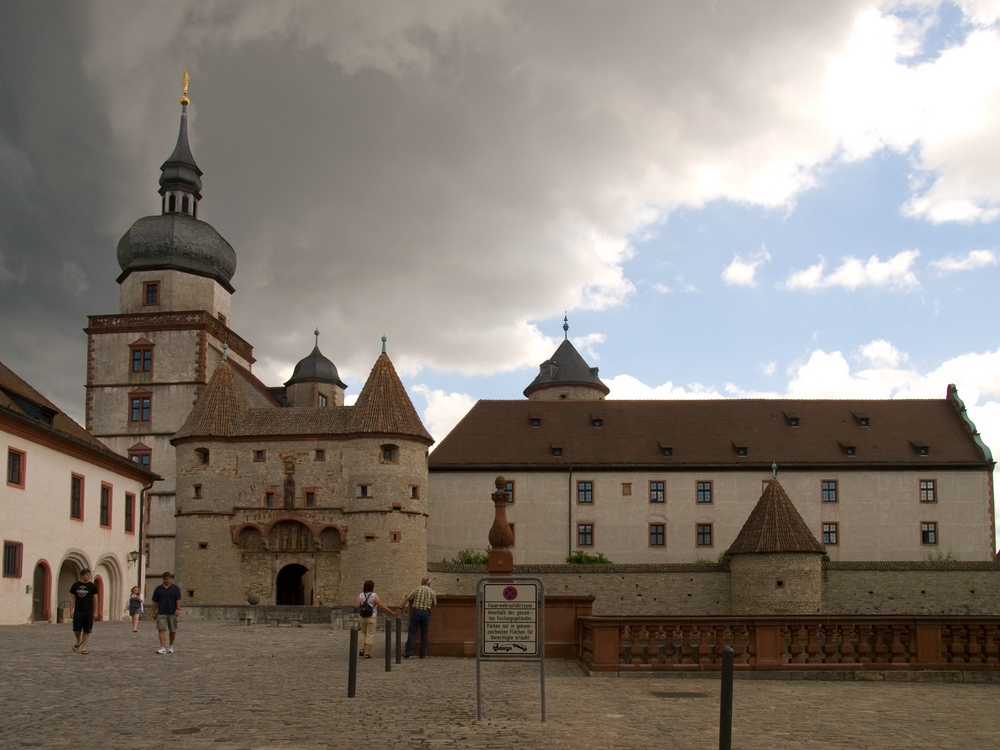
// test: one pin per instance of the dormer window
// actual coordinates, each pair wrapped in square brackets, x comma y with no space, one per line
[793,421]
[536,422]
[864,421]
[850,450]
[741,451]
[666,450]
[923,450]
[557,452]
[596,422]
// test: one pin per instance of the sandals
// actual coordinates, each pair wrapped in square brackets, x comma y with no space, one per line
[76,647]
[85,651]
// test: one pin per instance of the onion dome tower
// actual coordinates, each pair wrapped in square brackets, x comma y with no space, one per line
[566,376]
[176,239]
[315,381]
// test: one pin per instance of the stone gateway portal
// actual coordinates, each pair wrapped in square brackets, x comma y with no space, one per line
[290,588]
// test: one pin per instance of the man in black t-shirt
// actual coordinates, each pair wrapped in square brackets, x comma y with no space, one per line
[166,607]
[82,595]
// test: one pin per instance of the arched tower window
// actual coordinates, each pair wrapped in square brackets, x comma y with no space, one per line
[184,204]
[172,203]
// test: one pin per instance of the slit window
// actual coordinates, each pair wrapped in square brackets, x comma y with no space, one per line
[129,513]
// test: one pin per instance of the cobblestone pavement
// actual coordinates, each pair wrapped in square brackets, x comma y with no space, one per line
[229,686]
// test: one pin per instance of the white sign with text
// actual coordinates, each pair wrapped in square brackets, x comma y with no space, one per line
[510,619]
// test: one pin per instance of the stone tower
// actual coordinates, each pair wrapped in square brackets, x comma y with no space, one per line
[776,565]
[147,364]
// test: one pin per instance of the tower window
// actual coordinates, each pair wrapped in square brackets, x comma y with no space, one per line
[389,454]
[320,400]
[202,454]
[141,456]
[151,293]
[196,491]
[364,490]
[269,499]
[259,456]
[320,454]
[414,493]
[310,499]
[140,407]
[142,359]
[172,203]
[185,203]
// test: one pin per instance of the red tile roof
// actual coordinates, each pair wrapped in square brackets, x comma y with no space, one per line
[774,525]
[709,433]
[384,407]
[221,407]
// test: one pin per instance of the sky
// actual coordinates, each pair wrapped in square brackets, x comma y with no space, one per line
[727,199]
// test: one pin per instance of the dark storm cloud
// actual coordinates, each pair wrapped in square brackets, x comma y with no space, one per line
[443,173]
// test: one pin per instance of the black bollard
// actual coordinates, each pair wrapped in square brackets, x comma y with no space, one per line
[726,710]
[352,670]
[388,645]
[399,640]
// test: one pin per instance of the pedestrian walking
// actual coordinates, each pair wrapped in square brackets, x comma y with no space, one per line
[81,597]
[134,607]
[368,605]
[166,608]
[421,599]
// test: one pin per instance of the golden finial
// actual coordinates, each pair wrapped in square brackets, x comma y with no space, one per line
[184,98]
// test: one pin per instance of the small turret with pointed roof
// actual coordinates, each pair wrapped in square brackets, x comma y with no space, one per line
[180,173]
[314,379]
[774,526]
[220,409]
[383,406]
[566,376]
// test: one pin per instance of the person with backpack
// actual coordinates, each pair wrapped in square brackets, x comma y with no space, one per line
[368,606]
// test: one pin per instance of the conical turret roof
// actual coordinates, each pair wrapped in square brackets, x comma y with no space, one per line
[220,409]
[566,367]
[384,407]
[774,525]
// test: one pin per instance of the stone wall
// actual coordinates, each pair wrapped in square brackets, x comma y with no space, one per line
[776,584]
[905,588]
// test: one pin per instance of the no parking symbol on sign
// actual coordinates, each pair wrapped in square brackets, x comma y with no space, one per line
[510,619]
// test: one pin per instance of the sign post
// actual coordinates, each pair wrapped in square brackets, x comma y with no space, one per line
[510,626]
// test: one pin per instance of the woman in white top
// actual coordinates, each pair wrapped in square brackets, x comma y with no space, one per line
[368,605]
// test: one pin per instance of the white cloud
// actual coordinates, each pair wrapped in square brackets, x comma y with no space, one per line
[443,410]
[881,353]
[895,273]
[975,259]
[741,271]
[627,387]
[587,343]
[769,368]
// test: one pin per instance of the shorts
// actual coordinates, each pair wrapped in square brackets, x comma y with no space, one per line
[83,621]
[166,622]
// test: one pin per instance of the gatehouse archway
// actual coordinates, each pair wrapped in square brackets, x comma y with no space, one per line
[292,585]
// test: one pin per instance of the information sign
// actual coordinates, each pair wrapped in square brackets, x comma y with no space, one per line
[510,619]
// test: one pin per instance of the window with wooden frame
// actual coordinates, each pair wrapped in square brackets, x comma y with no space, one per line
[928,491]
[585,492]
[828,488]
[129,513]
[585,535]
[704,490]
[105,515]
[141,454]
[320,455]
[140,406]
[141,357]
[13,552]
[509,489]
[76,497]
[657,491]
[928,532]
[151,293]
[704,534]
[657,535]
[320,400]
[259,456]
[830,533]
[17,466]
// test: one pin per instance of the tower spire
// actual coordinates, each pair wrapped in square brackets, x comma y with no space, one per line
[565,327]
[180,181]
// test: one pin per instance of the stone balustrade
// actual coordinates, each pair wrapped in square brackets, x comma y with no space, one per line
[820,642]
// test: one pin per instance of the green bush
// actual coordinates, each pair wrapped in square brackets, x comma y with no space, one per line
[579,557]
[471,557]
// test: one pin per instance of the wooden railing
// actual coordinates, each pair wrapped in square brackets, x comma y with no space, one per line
[632,644]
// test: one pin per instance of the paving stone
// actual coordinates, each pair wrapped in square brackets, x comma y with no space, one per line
[261,687]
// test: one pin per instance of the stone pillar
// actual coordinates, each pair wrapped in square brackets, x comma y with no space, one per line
[501,560]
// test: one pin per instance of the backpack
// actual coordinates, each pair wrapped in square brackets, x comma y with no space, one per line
[367,609]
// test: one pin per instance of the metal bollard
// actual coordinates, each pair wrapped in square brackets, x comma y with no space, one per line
[388,645]
[399,640]
[726,710]
[352,670]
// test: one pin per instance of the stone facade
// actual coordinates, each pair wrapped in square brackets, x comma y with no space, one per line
[776,584]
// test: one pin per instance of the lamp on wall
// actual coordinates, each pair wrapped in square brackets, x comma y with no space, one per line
[133,556]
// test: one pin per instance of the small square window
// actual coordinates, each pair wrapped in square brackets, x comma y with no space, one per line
[585,492]
[202,545]
[536,422]
[557,452]
[415,492]
[310,499]
[259,456]
[12,554]
[928,533]
[829,490]
[585,535]
[657,493]
[928,491]
[704,492]
[851,450]
[151,293]
[864,421]
[370,537]
[830,533]
[597,422]
[666,451]
[741,450]
[793,421]
[657,536]
[16,463]
[321,455]
[923,450]
[704,535]
[364,490]
[222,318]
[269,499]
[202,454]
[196,490]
